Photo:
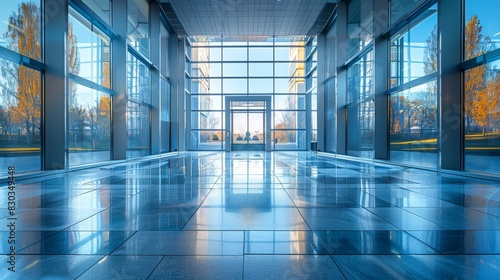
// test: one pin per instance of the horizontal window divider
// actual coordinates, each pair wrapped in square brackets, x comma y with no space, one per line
[89,84]
[92,17]
[359,101]
[139,56]
[357,56]
[310,72]
[246,77]
[414,83]
[21,59]
[329,79]
[409,16]
[480,60]
[140,102]
[310,55]
[165,77]
[245,61]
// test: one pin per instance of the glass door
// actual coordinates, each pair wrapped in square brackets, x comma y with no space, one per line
[248,130]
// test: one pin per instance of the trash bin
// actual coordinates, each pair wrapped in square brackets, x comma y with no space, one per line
[314,146]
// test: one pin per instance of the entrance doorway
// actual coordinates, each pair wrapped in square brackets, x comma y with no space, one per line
[248,130]
[248,122]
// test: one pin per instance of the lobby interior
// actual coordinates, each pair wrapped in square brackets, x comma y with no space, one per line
[238,139]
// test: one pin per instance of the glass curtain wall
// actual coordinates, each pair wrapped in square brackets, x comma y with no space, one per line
[482,86]
[330,92]
[268,67]
[21,85]
[138,80]
[413,95]
[312,85]
[89,94]
[361,108]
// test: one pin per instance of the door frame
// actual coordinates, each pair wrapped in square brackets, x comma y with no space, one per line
[267,123]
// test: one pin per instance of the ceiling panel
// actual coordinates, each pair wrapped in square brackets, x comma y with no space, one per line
[233,18]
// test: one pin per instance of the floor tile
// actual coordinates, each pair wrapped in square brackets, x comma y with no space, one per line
[461,241]
[403,219]
[458,218]
[290,267]
[199,267]
[191,243]
[419,267]
[343,219]
[122,267]
[262,218]
[49,267]
[285,243]
[79,243]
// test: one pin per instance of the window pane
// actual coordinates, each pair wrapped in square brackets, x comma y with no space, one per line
[482,118]
[283,69]
[331,117]
[25,16]
[288,140]
[360,135]
[138,80]
[261,54]
[261,86]
[234,69]
[138,25]
[285,120]
[481,27]
[89,52]
[206,120]
[89,128]
[20,117]
[414,53]
[206,102]
[138,130]
[260,70]
[289,102]
[360,79]
[205,70]
[165,116]
[102,8]
[235,86]
[400,7]
[207,140]
[282,53]
[164,51]
[235,54]
[359,25]
[413,125]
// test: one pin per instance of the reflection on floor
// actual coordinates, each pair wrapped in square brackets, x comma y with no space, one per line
[280,215]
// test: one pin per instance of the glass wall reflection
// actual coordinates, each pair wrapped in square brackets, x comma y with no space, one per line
[414,126]
[89,125]
[482,118]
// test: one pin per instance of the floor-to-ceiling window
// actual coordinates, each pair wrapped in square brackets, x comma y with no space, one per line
[165,88]
[21,85]
[413,119]
[271,67]
[482,86]
[330,92]
[361,108]
[138,80]
[312,85]
[88,93]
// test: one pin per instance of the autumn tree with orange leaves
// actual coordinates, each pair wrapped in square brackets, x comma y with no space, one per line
[22,86]
[482,84]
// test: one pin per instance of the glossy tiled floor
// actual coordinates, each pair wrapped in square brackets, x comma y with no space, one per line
[252,215]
